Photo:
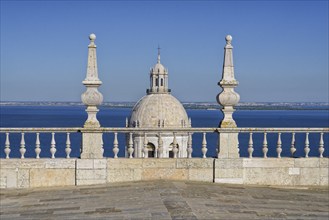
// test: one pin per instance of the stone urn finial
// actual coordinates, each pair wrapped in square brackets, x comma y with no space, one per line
[92,97]
[228,98]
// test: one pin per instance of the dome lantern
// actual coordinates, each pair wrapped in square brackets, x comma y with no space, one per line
[158,78]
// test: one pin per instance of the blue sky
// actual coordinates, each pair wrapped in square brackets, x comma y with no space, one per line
[280,48]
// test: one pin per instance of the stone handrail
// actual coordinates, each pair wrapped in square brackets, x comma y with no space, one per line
[39,130]
[195,129]
[146,131]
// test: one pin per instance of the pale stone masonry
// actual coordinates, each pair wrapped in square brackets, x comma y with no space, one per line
[92,145]
[29,173]
[228,142]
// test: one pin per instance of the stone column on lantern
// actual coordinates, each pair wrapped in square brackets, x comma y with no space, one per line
[228,98]
[91,139]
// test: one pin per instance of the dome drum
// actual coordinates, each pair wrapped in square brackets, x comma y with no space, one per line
[153,145]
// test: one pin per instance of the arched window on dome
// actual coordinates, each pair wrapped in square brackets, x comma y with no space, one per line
[156,82]
[161,82]
[150,149]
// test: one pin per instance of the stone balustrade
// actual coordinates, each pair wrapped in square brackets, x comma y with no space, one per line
[131,153]
[37,146]
[255,169]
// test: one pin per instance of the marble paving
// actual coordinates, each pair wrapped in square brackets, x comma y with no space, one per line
[165,200]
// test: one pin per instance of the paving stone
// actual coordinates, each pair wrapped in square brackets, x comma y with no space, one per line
[165,200]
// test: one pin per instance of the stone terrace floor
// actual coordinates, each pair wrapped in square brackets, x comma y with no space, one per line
[165,200]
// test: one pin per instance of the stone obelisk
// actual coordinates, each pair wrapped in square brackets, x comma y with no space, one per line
[228,98]
[92,144]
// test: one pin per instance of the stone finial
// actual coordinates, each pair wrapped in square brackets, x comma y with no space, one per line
[92,37]
[228,39]
[228,98]
[92,97]
[92,70]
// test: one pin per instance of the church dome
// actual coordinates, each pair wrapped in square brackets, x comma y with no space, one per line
[158,110]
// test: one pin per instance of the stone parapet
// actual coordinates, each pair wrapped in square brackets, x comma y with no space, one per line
[30,173]
[273,171]
[91,171]
[196,169]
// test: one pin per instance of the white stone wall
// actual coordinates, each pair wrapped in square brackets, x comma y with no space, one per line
[91,171]
[30,173]
[273,171]
[124,170]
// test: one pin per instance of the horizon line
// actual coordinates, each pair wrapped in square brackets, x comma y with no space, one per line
[181,101]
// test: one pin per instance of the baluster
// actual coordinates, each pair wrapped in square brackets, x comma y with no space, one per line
[265,149]
[279,145]
[250,145]
[218,145]
[37,146]
[102,144]
[292,148]
[238,144]
[115,145]
[68,145]
[174,147]
[204,145]
[307,145]
[7,146]
[321,145]
[53,145]
[22,149]
[160,146]
[130,145]
[189,146]
[146,151]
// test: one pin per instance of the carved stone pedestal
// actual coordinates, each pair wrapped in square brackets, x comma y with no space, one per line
[92,145]
[228,145]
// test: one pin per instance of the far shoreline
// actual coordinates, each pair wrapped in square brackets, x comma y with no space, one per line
[210,106]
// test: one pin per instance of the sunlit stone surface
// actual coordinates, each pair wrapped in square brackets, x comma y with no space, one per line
[228,144]
[92,142]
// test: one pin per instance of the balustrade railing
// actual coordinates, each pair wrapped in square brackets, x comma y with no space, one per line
[279,146]
[201,149]
[52,148]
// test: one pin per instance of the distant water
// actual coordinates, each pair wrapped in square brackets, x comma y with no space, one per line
[74,116]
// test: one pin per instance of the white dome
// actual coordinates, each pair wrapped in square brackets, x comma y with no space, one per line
[159,68]
[158,110]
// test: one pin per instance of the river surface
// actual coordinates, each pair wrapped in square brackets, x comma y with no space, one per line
[74,116]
